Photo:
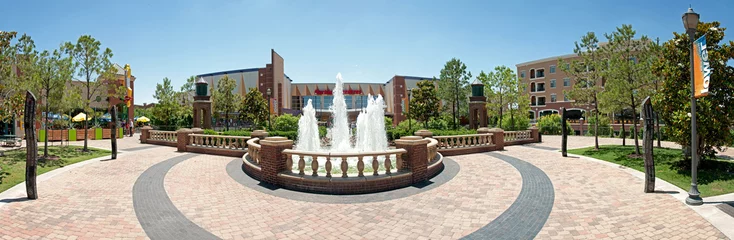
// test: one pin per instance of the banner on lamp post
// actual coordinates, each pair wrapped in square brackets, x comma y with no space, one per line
[701,68]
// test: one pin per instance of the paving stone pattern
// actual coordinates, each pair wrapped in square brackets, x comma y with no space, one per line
[157,215]
[527,215]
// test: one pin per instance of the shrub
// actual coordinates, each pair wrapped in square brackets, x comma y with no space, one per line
[322,131]
[404,125]
[285,122]
[59,124]
[210,132]
[438,123]
[388,123]
[515,124]
[292,135]
[551,125]
[449,132]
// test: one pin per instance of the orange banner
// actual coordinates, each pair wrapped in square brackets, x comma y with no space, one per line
[701,68]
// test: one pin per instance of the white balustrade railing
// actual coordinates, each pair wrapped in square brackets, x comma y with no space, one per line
[512,136]
[218,141]
[464,141]
[253,150]
[347,163]
[432,149]
[168,136]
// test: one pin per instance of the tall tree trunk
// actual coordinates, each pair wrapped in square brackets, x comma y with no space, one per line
[624,138]
[499,121]
[657,124]
[596,130]
[113,131]
[45,130]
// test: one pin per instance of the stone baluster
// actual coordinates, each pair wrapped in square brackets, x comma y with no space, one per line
[360,166]
[289,163]
[328,166]
[388,164]
[301,165]
[315,165]
[344,167]
[375,165]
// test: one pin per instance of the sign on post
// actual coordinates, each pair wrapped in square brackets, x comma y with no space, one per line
[701,68]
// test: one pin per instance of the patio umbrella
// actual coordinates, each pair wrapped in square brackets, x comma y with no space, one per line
[80,117]
[143,119]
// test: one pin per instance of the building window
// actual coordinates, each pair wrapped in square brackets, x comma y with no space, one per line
[553,83]
[540,87]
[553,98]
[296,102]
[566,82]
[522,74]
[552,69]
[348,101]
[565,98]
[328,101]
[532,87]
[541,101]
[361,101]
[540,73]
[532,73]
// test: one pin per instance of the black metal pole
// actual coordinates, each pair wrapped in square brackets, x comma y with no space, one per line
[694,197]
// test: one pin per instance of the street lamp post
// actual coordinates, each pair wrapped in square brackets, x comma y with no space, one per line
[270,122]
[581,132]
[690,22]
[410,125]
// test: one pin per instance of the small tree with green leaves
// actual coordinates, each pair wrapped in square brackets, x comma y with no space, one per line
[254,108]
[453,87]
[167,111]
[629,79]
[588,72]
[424,104]
[225,100]
[93,65]
[53,73]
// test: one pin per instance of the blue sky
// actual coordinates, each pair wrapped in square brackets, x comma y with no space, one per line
[367,41]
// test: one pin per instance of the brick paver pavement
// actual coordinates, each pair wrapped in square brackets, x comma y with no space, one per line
[592,200]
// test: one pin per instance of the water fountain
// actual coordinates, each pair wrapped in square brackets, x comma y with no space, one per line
[371,135]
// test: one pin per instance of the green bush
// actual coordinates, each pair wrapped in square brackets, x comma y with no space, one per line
[551,125]
[210,132]
[449,132]
[388,123]
[515,124]
[413,123]
[322,131]
[292,135]
[285,122]
[438,123]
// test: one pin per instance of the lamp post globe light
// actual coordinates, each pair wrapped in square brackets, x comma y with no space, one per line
[270,122]
[690,22]
[581,132]
[410,125]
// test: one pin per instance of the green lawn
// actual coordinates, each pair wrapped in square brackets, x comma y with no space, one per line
[13,163]
[715,177]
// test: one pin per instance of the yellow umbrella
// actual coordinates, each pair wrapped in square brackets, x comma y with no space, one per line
[143,119]
[80,117]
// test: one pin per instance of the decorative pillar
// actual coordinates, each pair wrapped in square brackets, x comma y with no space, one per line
[477,106]
[260,134]
[182,139]
[647,114]
[416,160]
[498,137]
[145,134]
[202,106]
[535,134]
[424,133]
[272,159]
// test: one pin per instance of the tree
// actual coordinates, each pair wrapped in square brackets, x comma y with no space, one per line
[7,74]
[17,78]
[587,71]
[674,101]
[500,85]
[254,108]
[224,99]
[424,104]
[53,72]
[453,86]
[91,65]
[629,79]
[167,110]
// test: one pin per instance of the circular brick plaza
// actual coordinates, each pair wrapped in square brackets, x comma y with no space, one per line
[523,192]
